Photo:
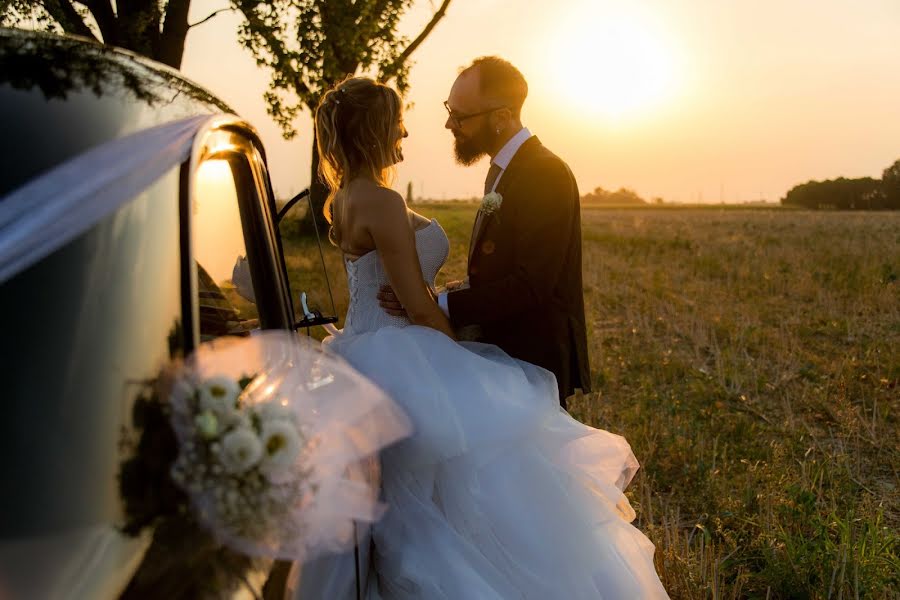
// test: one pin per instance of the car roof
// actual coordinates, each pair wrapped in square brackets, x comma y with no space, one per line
[61,95]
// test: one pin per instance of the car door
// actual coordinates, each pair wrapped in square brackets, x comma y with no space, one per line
[85,330]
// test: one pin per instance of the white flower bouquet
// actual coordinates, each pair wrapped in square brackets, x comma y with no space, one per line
[252,449]
[276,440]
[241,460]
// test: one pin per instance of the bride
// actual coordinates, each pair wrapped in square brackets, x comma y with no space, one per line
[498,493]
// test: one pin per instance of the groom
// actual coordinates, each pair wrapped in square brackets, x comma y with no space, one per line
[524,288]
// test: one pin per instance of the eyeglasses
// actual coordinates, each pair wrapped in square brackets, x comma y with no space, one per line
[458,118]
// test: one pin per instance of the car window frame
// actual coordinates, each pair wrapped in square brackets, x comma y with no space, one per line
[237,143]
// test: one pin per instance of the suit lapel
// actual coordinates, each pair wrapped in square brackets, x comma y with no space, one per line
[518,162]
[476,230]
[482,220]
[508,175]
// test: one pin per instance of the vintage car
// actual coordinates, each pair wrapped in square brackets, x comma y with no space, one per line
[156,229]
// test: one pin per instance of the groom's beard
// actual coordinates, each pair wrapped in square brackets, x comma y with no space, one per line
[469,149]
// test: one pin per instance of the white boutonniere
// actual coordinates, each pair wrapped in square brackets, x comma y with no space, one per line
[491,203]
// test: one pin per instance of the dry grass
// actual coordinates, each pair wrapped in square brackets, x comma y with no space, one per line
[752,359]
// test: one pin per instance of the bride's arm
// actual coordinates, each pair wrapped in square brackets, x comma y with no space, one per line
[388,224]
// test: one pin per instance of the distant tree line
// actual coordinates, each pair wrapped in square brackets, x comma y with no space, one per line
[619,197]
[865,193]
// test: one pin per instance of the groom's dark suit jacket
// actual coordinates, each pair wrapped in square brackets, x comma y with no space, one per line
[525,270]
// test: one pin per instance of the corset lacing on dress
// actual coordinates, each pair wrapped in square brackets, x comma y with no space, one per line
[366,275]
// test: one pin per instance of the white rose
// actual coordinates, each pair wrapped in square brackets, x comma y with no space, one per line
[281,444]
[219,395]
[241,450]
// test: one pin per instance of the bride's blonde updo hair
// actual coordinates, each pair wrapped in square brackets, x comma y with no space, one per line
[356,128]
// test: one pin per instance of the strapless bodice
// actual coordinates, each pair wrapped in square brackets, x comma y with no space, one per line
[366,275]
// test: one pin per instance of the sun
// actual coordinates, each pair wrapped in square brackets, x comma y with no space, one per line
[612,65]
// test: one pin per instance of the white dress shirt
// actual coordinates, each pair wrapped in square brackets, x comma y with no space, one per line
[502,160]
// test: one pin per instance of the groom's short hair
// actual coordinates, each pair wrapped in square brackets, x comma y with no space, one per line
[501,81]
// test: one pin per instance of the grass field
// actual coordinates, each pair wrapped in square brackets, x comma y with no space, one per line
[752,360]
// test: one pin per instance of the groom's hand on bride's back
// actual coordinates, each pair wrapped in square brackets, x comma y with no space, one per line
[389,302]
[452,286]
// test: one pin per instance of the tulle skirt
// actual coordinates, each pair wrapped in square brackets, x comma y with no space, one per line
[498,493]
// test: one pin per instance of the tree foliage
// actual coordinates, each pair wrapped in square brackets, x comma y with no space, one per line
[619,197]
[153,28]
[865,193]
[309,45]
[890,185]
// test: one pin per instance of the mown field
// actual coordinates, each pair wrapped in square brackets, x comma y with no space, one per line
[752,360]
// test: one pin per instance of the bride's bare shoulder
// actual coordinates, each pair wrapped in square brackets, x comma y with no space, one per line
[374,207]
[376,198]
[374,204]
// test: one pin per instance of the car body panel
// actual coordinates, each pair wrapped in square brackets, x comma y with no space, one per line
[90,325]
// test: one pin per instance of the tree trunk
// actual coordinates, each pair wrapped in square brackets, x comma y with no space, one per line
[135,25]
[68,18]
[318,193]
[174,32]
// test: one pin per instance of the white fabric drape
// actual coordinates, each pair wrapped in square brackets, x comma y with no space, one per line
[48,212]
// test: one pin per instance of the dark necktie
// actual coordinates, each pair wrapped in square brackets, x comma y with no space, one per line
[492,174]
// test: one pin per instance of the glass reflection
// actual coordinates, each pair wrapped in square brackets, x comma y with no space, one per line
[61,96]
[86,326]
[226,295]
[31,59]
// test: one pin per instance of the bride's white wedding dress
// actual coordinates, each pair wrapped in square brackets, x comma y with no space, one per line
[498,493]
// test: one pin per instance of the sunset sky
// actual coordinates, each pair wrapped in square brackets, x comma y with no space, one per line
[694,100]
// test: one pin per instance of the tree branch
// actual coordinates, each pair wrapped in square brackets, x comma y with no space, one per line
[262,39]
[392,69]
[68,18]
[208,17]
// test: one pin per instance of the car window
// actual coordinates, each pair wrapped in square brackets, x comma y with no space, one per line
[226,294]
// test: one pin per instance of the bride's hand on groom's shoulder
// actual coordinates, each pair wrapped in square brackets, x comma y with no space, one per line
[390,303]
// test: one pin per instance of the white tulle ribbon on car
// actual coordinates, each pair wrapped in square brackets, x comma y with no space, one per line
[58,206]
[277,444]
